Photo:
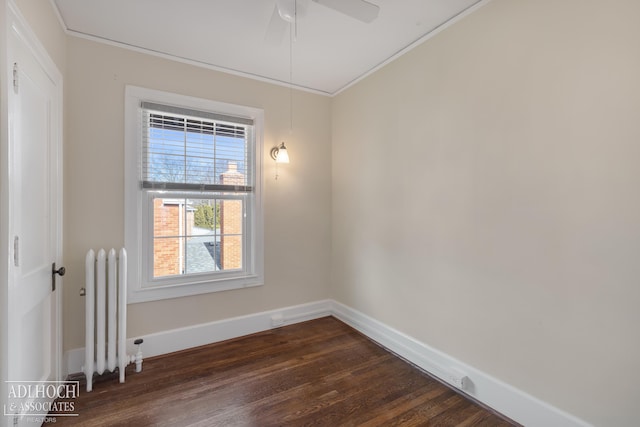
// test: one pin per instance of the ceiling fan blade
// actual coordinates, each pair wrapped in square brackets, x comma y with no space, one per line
[358,9]
[276,29]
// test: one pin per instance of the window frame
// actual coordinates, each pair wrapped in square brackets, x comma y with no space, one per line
[138,213]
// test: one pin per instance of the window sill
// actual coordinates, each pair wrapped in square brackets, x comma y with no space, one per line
[138,294]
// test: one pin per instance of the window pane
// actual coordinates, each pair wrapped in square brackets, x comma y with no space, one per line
[166,217]
[203,243]
[179,149]
[167,259]
[231,219]
[193,236]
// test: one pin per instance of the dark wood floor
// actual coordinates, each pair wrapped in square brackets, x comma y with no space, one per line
[317,373]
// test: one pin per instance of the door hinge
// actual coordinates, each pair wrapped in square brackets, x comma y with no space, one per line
[15,77]
[16,251]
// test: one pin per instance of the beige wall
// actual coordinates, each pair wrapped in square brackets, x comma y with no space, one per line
[297,206]
[486,199]
[44,22]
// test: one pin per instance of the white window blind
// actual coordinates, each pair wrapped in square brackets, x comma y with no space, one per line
[190,150]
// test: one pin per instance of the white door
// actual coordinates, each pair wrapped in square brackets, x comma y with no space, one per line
[34,104]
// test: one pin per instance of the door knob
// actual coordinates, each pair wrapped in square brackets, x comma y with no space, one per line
[60,271]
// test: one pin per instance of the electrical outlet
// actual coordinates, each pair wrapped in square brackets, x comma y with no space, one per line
[458,378]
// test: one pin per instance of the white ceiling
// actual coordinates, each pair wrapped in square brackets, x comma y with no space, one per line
[330,51]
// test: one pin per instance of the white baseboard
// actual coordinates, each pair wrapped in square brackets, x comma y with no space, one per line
[207,333]
[508,400]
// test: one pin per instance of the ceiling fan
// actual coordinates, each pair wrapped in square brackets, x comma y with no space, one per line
[287,11]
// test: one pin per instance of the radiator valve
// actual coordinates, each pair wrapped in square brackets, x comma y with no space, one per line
[138,356]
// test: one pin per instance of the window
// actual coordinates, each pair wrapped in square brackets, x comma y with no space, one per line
[193,218]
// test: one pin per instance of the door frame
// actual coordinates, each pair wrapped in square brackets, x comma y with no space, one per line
[4,208]
[13,20]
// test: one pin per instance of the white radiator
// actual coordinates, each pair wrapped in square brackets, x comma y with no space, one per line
[106,313]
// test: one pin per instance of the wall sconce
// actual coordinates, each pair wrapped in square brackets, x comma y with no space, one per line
[280,154]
